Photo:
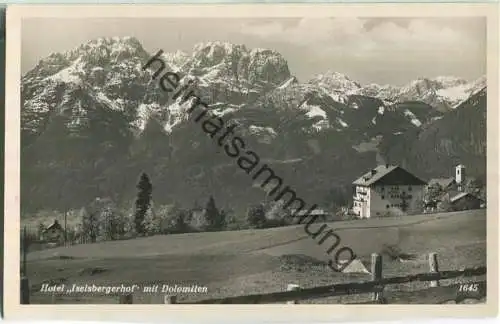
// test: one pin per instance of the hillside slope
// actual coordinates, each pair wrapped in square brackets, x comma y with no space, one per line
[259,261]
[457,137]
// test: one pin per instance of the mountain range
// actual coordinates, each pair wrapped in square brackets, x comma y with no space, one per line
[92,120]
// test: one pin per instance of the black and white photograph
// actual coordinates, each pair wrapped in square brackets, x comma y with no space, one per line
[254,160]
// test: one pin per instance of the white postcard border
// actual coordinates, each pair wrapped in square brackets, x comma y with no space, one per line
[276,313]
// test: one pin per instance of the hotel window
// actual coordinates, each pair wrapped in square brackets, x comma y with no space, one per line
[409,188]
[387,206]
[383,197]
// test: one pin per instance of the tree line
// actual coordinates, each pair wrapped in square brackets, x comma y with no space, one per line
[103,220]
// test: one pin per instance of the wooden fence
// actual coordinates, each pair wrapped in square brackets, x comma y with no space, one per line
[295,293]
[375,286]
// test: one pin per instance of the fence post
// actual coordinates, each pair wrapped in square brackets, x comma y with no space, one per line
[25,290]
[292,287]
[126,299]
[376,271]
[433,266]
[170,299]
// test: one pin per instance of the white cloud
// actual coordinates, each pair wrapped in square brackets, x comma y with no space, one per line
[307,31]
[349,36]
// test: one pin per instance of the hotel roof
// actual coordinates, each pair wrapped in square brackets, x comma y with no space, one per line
[388,175]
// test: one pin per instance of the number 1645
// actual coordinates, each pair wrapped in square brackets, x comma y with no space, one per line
[468,287]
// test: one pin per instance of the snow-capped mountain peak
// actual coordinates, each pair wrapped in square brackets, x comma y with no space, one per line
[217,47]
[336,81]
[176,60]
[226,73]
[442,92]
[100,53]
[449,81]
[107,50]
[237,64]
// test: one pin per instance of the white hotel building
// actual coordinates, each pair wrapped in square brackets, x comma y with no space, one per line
[387,190]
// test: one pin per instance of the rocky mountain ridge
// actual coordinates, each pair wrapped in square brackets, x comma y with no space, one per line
[93,116]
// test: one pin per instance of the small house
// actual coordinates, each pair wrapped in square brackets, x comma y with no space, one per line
[53,233]
[465,201]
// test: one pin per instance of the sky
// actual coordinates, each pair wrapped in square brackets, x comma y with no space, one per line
[368,50]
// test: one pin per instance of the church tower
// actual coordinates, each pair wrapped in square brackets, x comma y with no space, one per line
[460,176]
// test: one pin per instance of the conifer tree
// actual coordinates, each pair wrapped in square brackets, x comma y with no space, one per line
[143,202]
[213,216]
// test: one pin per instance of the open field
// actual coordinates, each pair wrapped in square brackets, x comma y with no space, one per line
[257,261]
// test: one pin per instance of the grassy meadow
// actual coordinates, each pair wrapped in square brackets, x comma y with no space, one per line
[244,262]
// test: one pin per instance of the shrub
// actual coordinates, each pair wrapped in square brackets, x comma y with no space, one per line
[100,220]
[90,220]
[433,192]
[111,222]
[180,221]
[198,220]
[234,223]
[276,215]
[256,216]
[70,235]
[174,220]
[151,224]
